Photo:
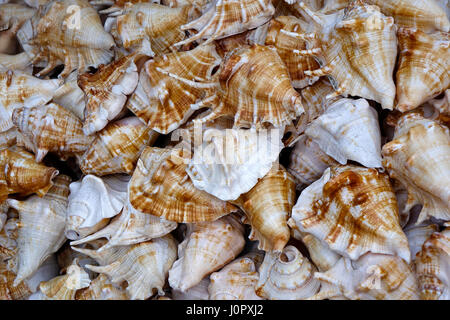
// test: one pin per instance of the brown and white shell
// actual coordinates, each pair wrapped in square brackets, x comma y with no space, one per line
[268,206]
[70,96]
[286,275]
[224,18]
[417,235]
[101,288]
[144,266]
[160,186]
[419,158]
[352,210]
[7,290]
[171,87]
[106,92]
[117,147]
[207,247]
[50,128]
[423,67]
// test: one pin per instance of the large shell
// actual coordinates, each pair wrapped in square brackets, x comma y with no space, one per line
[371,277]
[268,206]
[144,266]
[160,186]
[19,89]
[358,50]
[423,68]
[236,281]
[257,90]
[224,18]
[67,32]
[207,247]
[41,229]
[117,147]
[50,128]
[107,91]
[419,158]
[151,28]
[353,210]
[286,275]
[433,267]
[92,201]
[173,86]
[21,174]
[101,288]
[348,130]
[230,162]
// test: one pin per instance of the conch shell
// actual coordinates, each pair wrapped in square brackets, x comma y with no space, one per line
[50,128]
[67,32]
[207,247]
[117,147]
[107,91]
[423,68]
[286,275]
[419,158]
[348,130]
[41,228]
[21,174]
[353,210]
[268,206]
[92,201]
[433,267]
[224,18]
[144,266]
[70,96]
[160,186]
[101,289]
[171,87]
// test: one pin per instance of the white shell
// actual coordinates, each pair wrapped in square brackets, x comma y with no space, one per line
[70,96]
[197,292]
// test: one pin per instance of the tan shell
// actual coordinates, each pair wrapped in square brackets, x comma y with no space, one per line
[160,186]
[21,174]
[286,275]
[256,89]
[61,34]
[171,87]
[70,96]
[101,289]
[8,240]
[107,91]
[207,247]
[418,158]
[41,228]
[268,206]
[321,255]
[433,265]
[352,210]
[117,147]
[225,18]
[144,266]
[423,67]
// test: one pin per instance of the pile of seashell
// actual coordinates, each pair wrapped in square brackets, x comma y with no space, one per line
[224,149]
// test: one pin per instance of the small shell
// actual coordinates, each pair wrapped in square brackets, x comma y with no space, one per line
[443,104]
[423,67]
[60,34]
[268,206]
[14,14]
[321,255]
[419,158]
[8,241]
[348,130]
[107,91]
[117,147]
[207,247]
[353,210]
[236,281]
[92,201]
[171,87]
[70,96]
[371,277]
[257,90]
[19,89]
[433,267]
[160,186]
[21,174]
[8,291]
[101,289]
[286,275]
[417,235]
[144,266]
[50,128]
[227,173]
[41,228]
[224,18]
